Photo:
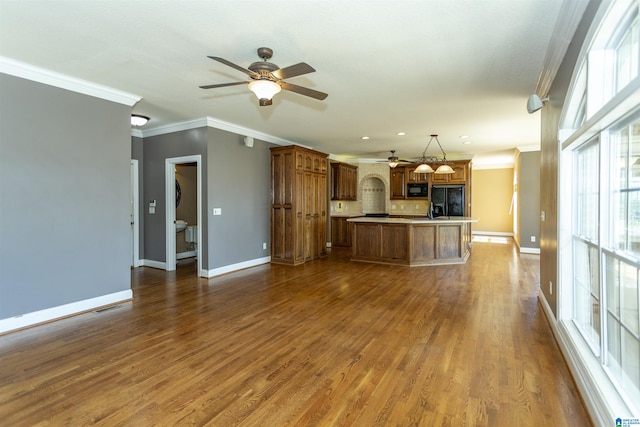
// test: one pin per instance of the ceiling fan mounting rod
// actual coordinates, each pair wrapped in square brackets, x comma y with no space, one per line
[265,53]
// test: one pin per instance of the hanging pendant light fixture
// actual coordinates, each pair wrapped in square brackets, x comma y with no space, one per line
[423,168]
[444,168]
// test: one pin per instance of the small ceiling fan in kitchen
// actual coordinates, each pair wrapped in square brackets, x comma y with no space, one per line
[394,161]
[267,79]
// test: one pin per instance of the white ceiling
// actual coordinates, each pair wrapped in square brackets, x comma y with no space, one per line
[451,67]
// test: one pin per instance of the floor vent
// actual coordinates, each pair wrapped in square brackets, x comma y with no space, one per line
[102,310]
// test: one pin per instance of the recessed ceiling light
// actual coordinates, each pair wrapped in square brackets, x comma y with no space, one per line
[464,136]
[365,137]
[467,142]
[401,133]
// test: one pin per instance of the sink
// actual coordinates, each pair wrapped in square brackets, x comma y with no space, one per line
[180,225]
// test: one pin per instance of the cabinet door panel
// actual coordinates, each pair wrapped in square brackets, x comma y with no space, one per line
[398,183]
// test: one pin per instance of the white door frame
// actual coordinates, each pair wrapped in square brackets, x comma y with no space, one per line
[170,209]
[135,215]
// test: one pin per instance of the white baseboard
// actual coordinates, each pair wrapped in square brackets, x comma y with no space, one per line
[529,250]
[239,266]
[492,233]
[601,399]
[66,310]
[155,264]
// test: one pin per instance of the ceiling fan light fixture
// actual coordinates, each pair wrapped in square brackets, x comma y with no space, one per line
[393,163]
[139,120]
[264,89]
[444,169]
[423,168]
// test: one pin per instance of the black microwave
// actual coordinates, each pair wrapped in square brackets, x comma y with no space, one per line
[418,190]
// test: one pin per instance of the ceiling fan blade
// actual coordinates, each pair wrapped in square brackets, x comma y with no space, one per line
[293,70]
[237,67]
[222,85]
[303,90]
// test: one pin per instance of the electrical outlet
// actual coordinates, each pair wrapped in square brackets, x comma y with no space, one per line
[550,287]
[264,245]
[533,238]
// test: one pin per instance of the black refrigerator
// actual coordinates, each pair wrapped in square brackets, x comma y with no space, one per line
[447,200]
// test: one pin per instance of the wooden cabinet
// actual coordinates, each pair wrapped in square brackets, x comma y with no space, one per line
[340,231]
[459,175]
[298,205]
[400,177]
[344,181]
[398,183]
[418,178]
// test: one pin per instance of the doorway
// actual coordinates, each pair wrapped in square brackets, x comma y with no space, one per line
[134,211]
[171,199]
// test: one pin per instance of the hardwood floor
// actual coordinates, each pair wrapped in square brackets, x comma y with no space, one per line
[328,343]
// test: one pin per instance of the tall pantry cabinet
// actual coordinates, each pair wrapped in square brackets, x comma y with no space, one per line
[298,205]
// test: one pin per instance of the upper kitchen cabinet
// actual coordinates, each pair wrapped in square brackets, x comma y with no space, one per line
[404,177]
[398,183]
[344,181]
[461,172]
[421,178]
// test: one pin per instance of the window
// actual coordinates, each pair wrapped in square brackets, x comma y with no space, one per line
[586,276]
[600,129]
[626,53]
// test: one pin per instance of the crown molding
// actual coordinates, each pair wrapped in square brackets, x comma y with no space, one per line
[571,12]
[241,130]
[216,124]
[30,72]
[527,148]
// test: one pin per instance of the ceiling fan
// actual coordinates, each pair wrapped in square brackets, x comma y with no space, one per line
[393,160]
[268,78]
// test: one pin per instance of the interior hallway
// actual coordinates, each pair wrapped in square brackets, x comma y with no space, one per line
[330,342]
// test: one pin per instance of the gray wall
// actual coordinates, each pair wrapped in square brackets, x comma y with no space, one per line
[235,178]
[156,150]
[239,184]
[530,199]
[64,197]
[549,163]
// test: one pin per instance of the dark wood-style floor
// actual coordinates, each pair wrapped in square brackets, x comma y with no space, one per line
[328,343]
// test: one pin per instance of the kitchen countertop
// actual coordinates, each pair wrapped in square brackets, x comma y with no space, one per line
[420,220]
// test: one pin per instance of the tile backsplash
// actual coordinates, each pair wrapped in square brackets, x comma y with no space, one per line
[374,195]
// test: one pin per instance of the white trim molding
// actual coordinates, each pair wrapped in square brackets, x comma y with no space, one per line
[234,267]
[599,395]
[153,264]
[216,124]
[55,313]
[51,78]
[535,251]
[492,233]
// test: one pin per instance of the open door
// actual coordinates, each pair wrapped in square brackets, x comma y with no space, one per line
[170,210]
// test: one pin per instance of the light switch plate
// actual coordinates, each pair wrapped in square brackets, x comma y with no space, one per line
[217,211]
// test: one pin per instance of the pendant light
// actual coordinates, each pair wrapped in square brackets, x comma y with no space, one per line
[425,168]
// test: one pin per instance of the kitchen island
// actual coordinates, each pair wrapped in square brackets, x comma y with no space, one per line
[411,241]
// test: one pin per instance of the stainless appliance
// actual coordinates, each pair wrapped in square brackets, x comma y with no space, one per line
[417,190]
[448,200]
